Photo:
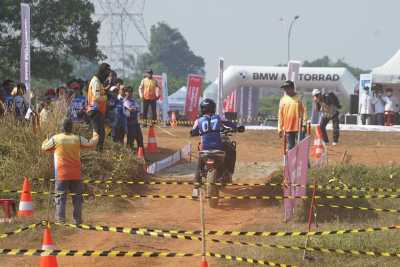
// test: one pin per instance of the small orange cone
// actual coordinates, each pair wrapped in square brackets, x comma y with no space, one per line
[318,148]
[174,122]
[152,142]
[203,262]
[47,243]
[140,153]
[25,204]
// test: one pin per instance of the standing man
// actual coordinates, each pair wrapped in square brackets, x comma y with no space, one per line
[379,105]
[131,111]
[328,105]
[149,93]
[366,108]
[67,166]
[97,102]
[291,114]
[391,107]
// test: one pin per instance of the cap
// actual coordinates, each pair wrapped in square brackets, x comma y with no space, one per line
[149,71]
[288,84]
[316,92]
[113,88]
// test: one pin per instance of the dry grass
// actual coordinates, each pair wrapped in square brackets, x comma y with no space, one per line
[334,219]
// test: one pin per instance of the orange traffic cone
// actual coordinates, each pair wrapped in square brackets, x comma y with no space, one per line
[318,148]
[47,243]
[25,204]
[174,122]
[152,142]
[203,262]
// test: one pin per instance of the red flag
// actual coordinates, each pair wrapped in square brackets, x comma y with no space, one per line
[193,96]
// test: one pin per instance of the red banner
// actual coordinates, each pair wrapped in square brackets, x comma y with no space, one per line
[230,102]
[296,171]
[193,96]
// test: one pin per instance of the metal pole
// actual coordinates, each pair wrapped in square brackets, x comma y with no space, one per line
[290,33]
[203,226]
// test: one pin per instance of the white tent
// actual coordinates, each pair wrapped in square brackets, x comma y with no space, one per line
[388,73]
[176,101]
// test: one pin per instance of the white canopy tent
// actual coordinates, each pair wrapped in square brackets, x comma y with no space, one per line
[176,101]
[388,73]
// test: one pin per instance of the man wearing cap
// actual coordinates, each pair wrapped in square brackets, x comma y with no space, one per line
[329,106]
[149,93]
[97,102]
[66,148]
[291,114]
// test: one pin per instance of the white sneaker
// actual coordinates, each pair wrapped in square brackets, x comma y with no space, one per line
[334,144]
[195,193]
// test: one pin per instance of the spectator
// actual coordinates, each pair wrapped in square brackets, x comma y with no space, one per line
[67,164]
[20,105]
[97,102]
[118,125]
[366,108]
[131,111]
[379,106]
[7,86]
[390,107]
[45,113]
[328,105]
[291,113]
[149,93]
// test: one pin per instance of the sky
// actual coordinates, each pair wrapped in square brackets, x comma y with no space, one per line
[364,33]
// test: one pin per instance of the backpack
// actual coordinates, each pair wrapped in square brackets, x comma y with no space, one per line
[332,99]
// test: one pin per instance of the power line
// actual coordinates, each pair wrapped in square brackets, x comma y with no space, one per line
[117,18]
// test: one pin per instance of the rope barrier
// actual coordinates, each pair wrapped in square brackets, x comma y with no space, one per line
[20,230]
[359,208]
[322,187]
[213,197]
[143,232]
[115,253]
[168,233]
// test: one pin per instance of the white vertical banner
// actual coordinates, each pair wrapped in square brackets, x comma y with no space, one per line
[220,94]
[25,61]
[165,97]
[293,71]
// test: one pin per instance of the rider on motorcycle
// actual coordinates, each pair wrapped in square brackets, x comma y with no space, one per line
[209,127]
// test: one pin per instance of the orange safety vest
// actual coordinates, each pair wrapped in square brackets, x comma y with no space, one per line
[149,89]
[99,102]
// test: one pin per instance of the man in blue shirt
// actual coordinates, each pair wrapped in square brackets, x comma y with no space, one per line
[131,112]
[118,121]
[209,127]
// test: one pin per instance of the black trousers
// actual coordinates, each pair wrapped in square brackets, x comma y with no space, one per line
[134,134]
[97,123]
[153,105]
[335,123]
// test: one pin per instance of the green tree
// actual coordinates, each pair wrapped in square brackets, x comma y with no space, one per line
[169,52]
[59,30]
[327,62]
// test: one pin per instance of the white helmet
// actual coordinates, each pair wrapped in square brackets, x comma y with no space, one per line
[316,92]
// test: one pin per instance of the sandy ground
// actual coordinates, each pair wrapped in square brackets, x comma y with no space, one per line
[259,154]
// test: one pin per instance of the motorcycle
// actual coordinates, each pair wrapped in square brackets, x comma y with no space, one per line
[213,172]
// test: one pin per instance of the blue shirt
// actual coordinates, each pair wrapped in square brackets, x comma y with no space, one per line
[77,108]
[209,127]
[131,116]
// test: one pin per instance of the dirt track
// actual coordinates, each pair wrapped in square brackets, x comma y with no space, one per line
[259,153]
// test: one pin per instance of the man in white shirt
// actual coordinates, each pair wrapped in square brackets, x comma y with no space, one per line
[366,109]
[379,106]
